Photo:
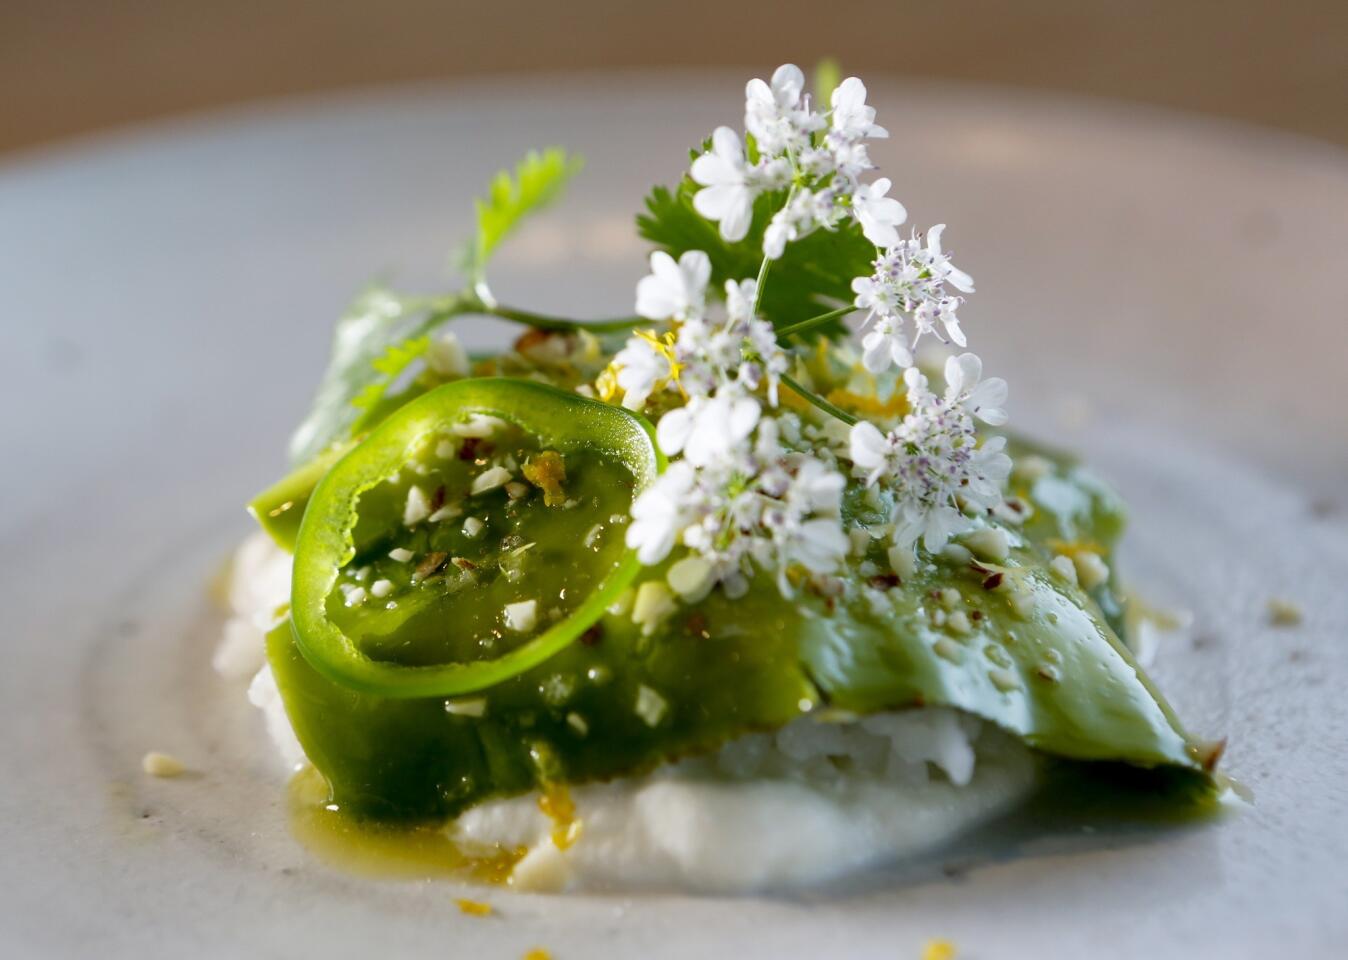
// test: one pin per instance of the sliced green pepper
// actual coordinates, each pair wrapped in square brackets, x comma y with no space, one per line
[430,625]
[279,508]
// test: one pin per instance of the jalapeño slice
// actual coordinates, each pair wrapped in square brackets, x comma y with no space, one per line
[471,536]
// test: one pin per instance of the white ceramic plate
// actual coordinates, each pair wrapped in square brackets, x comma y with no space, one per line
[1161,291]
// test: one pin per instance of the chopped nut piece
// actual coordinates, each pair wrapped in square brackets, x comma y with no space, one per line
[446,356]
[523,616]
[400,554]
[948,649]
[515,490]
[544,869]
[902,561]
[547,471]
[158,764]
[652,604]
[1064,568]
[959,622]
[956,554]
[990,543]
[691,578]
[1283,613]
[1021,603]
[418,507]
[650,706]
[1003,680]
[490,479]
[473,527]
[381,588]
[1091,570]
[448,512]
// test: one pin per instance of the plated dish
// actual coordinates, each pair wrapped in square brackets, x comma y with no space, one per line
[720,596]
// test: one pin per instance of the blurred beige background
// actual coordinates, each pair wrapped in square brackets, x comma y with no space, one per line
[69,67]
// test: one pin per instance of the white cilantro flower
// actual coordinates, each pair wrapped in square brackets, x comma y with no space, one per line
[932,460]
[641,368]
[965,386]
[661,512]
[740,351]
[730,183]
[939,264]
[753,502]
[852,119]
[803,213]
[878,214]
[762,360]
[775,114]
[674,291]
[885,343]
[909,277]
[708,429]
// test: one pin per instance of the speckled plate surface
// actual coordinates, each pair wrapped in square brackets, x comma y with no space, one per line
[1161,291]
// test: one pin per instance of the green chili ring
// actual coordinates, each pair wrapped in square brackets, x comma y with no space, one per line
[324,543]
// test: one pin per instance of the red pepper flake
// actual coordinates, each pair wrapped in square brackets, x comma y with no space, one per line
[994,581]
[697,625]
[463,563]
[885,581]
[438,498]
[593,635]
[975,614]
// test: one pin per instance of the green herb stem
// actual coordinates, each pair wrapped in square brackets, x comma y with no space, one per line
[544,322]
[818,401]
[812,322]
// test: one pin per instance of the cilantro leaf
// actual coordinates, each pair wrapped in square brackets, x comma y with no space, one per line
[812,276]
[538,180]
[375,341]
[381,336]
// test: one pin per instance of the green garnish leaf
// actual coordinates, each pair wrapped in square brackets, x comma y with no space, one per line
[381,335]
[813,274]
[538,181]
[374,343]
[395,359]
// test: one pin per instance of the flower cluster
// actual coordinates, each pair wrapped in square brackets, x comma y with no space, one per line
[932,459]
[818,155]
[909,278]
[736,495]
[703,355]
